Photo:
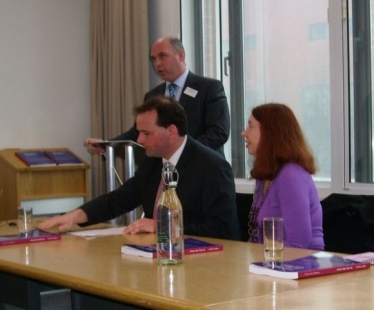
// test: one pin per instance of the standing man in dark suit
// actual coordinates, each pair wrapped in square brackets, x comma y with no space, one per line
[206,186]
[203,99]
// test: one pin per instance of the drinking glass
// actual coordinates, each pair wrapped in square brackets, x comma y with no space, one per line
[24,219]
[273,241]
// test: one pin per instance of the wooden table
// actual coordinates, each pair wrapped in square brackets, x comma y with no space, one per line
[217,280]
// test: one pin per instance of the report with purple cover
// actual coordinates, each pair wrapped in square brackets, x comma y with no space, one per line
[63,158]
[35,235]
[318,264]
[35,158]
[191,246]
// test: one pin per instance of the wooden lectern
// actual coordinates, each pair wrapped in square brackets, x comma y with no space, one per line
[49,190]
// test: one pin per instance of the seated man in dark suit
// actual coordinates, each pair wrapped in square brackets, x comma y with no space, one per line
[206,186]
[202,98]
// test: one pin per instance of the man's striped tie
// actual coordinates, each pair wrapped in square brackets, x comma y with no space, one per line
[172,88]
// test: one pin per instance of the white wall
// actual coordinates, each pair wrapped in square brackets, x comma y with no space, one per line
[44,74]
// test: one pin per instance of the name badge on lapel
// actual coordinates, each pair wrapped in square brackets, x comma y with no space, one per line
[190,92]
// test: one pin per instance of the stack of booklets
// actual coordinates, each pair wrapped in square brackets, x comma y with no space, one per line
[48,158]
[367,257]
[35,235]
[191,246]
[318,264]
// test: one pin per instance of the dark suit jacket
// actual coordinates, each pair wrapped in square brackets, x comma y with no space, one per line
[207,114]
[206,190]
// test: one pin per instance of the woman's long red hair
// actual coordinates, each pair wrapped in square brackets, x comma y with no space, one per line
[282,141]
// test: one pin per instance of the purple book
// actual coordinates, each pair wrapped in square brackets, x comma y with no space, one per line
[318,264]
[35,158]
[191,246]
[35,235]
[63,158]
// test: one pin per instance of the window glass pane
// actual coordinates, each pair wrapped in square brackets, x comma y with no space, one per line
[286,60]
[225,64]
[211,38]
[360,40]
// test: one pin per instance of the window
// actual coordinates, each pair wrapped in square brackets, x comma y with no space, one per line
[312,55]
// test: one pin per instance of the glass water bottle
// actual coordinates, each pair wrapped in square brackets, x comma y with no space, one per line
[169,228]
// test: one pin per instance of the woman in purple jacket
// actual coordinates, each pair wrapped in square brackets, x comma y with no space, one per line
[282,168]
